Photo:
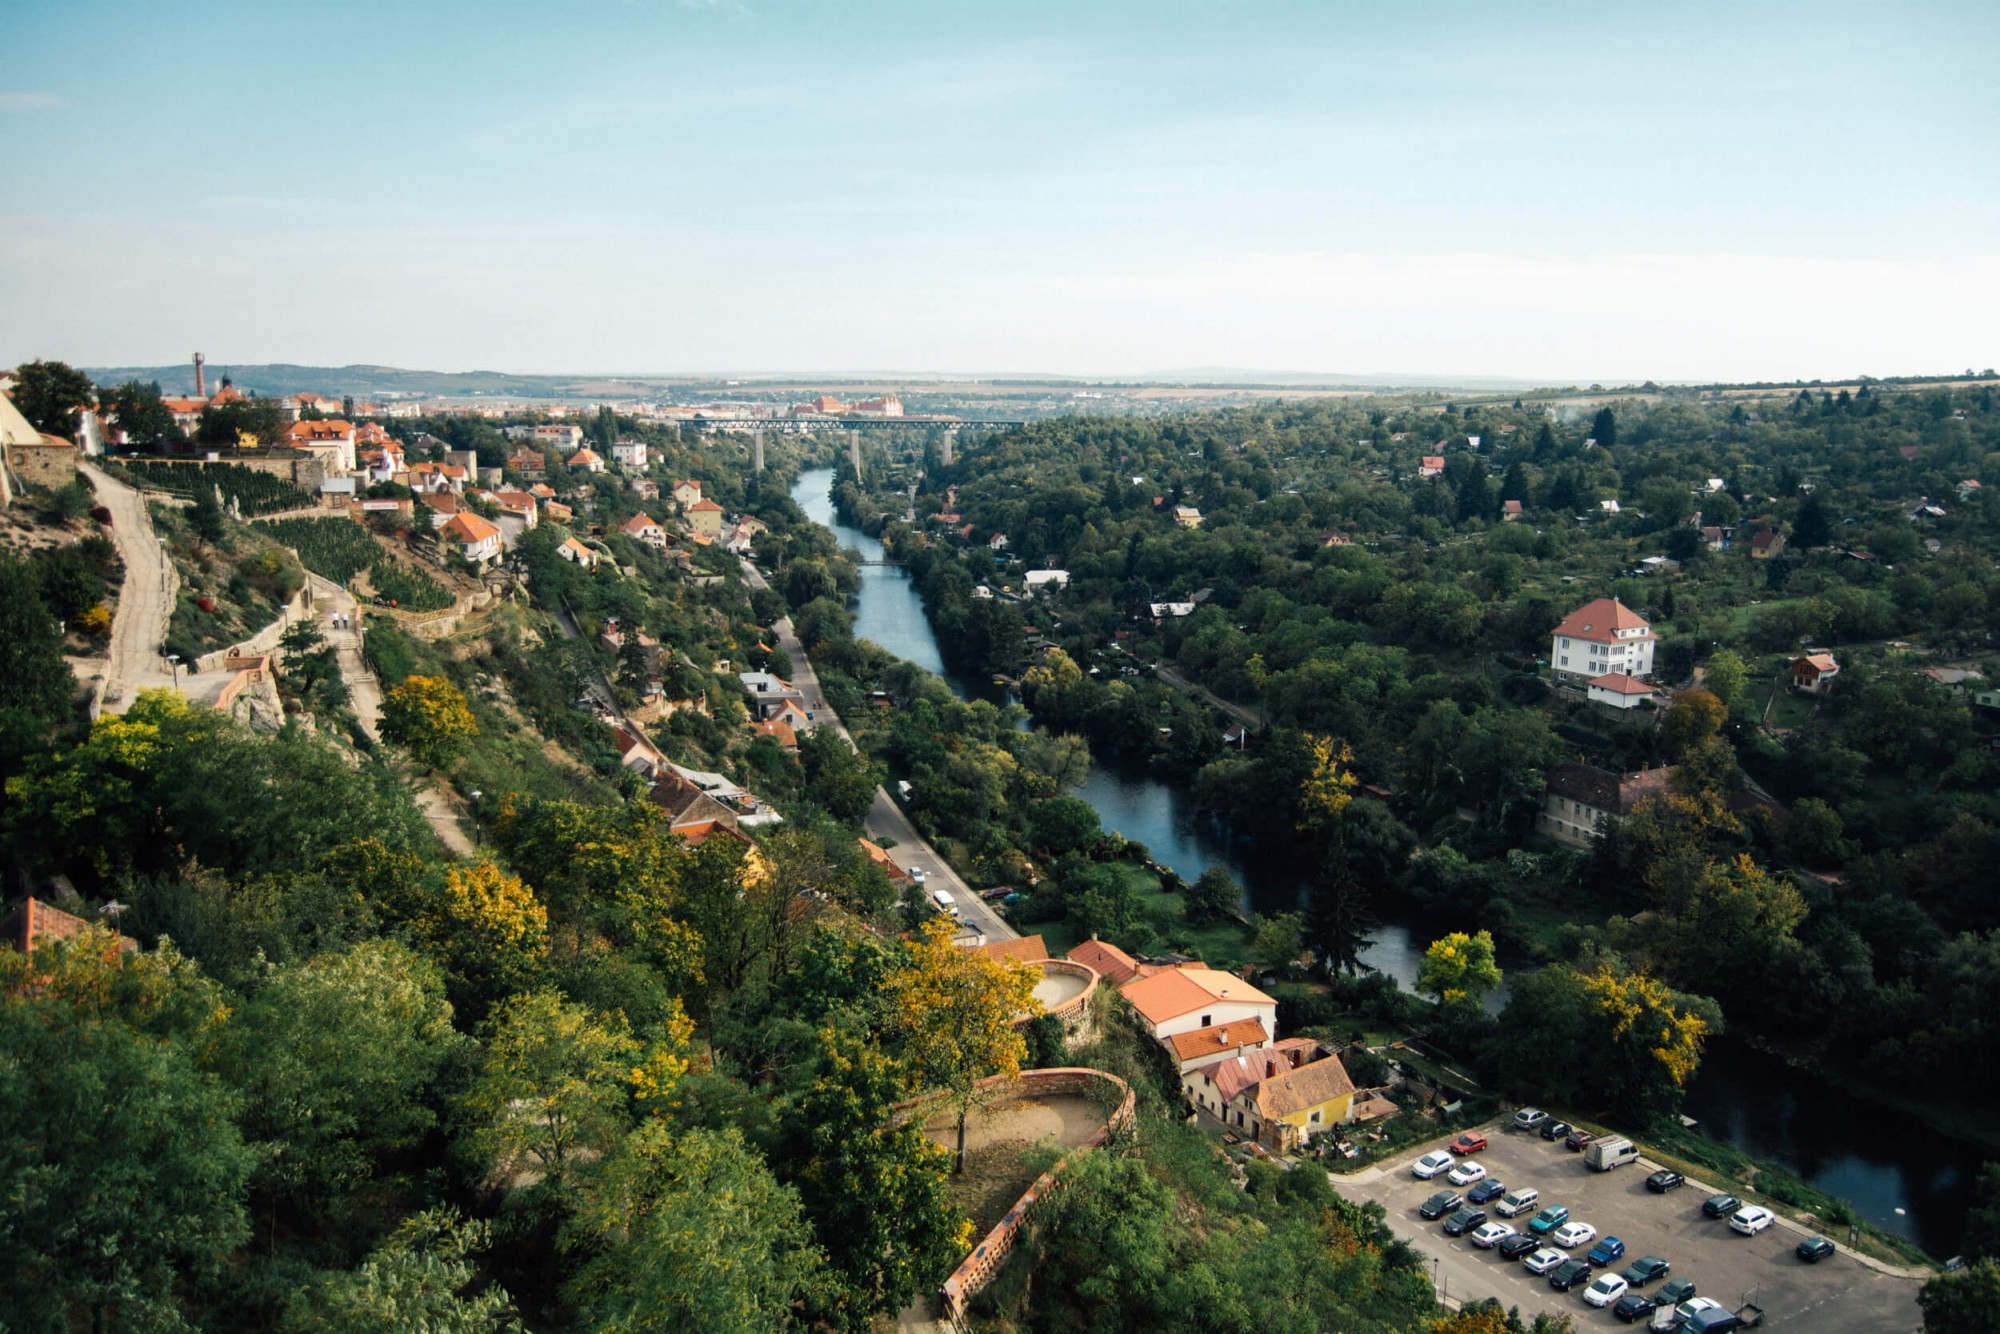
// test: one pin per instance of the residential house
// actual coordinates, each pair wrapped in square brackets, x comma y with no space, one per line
[564,438]
[642,528]
[1766,544]
[686,493]
[576,553]
[1814,672]
[1187,516]
[587,459]
[478,541]
[528,462]
[779,731]
[557,512]
[1601,636]
[332,442]
[769,694]
[1040,580]
[1716,539]
[645,488]
[1205,1046]
[1432,466]
[1170,611]
[997,542]
[629,454]
[688,808]
[889,406]
[1608,506]
[1580,800]
[1510,510]
[1178,1000]
[521,504]
[1969,489]
[1291,1103]
[46,460]
[442,506]
[704,519]
[897,875]
[1111,963]
[1619,690]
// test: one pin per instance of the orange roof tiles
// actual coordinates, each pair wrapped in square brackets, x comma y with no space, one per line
[1180,991]
[468,527]
[1219,1039]
[1620,683]
[1600,619]
[1027,949]
[1109,961]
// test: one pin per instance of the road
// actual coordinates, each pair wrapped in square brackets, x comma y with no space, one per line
[330,600]
[885,818]
[1249,717]
[145,599]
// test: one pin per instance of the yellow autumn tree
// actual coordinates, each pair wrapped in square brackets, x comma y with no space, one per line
[1458,968]
[1653,1032]
[428,716]
[1330,787]
[953,1012]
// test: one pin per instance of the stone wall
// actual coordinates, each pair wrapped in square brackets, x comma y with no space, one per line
[978,1268]
[265,640]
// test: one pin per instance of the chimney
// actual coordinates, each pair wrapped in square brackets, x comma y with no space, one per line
[1270,1068]
[200,386]
[1222,1037]
[1295,1058]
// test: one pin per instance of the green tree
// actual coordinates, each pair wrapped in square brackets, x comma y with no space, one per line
[1063,825]
[837,776]
[551,1088]
[429,716]
[420,1278]
[874,1187]
[1604,428]
[1810,527]
[1460,969]
[1726,676]
[1693,717]
[50,395]
[205,517]
[1212,897]
[1279,941]
[37,689]
[690,1233]
[144,417]
[1964,1302]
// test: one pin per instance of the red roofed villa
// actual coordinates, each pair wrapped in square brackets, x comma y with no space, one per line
[1602,637]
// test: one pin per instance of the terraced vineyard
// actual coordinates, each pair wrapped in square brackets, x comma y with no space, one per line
[337,549]
[254,492]
[411,590]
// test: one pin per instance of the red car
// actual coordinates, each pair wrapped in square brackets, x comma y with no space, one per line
[1577,1139]
[1469,1142]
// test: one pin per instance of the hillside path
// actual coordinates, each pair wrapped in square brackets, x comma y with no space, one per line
[145,599]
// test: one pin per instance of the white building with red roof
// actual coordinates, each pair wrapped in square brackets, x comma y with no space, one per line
[477,540]
[1602,637]
[1180,1000]
[642,528]
[1619,690]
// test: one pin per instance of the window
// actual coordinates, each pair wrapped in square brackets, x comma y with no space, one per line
[1205,1021]
[1315,1118]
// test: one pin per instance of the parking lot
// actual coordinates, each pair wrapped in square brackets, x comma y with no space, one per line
[1839,1293]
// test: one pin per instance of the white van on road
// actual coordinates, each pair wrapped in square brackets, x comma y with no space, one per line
[945,902]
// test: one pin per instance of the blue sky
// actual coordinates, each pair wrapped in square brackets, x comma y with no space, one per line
[1556,191]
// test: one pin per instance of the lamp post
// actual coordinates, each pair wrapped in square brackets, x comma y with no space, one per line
[174,661]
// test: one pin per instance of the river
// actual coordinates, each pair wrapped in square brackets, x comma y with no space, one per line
[1900,1177]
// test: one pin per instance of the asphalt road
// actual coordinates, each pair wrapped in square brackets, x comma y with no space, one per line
[145,598]
[885,818]
[1838,1294]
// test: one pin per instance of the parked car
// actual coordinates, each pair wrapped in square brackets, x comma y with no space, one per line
[1676,1292]
[1665,1180]
[1641,1272]
[1530,1118]
[1604,1290]
[1751,1219]
[1467,1173]
[1440,1204]
[1720,1206]
[1814,1249]
[1518,1245]
[1549,1219]
[1431,1164]
[1488,1189]
[1633,1305]
[1678,1315]
[1571,1235]
[1542,1261]
[1578,1139]
[1555,1129]
[1470,1142]
[1464,1221]
[1568,1274]
[917,874]
[1518,1201]
[1608,1250]
[1490,1235]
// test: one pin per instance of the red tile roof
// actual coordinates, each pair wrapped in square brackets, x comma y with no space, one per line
[469,528]
[1026,950]
[1621,683]
[1181,991]
[1110,962]
[1219,1039]
[1599,619]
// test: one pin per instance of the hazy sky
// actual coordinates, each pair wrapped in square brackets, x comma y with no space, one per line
[1567,191]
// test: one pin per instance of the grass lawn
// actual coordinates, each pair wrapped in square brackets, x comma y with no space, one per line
[1224,944]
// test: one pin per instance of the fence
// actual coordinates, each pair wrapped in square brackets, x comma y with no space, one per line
[978,1268]
[298,609]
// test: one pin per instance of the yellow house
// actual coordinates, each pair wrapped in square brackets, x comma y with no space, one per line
[704,519]
[1290,1103]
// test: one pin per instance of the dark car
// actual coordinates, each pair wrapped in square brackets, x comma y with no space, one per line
[1608,1250]
[1814,1249]
[1641,1272]
[1633,1305]
[1488,1189]
[1568,1274]
[1675,1292]
[1518,1245]
[1464,1221]
[1555,1129]
[1664,1180]
[1440,1204]
[1578,1139]
[1720,1206]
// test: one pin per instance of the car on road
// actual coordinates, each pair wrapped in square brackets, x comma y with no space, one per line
[1431,1164]
[1470,1142]
[1578,1140]
[1751,1219]
[1643,1271]
[1814,1249]
[1572,1234]
[1604,1290]
[1555,1129]
[1464,1221]
[1488,1189]
[1440,1204]
[917,874]
[1665,1180]
[1466,1174]
[1518,1245]
[1633,1305]
[1608,1250]
[1549,1219]
[1542,1261]
[1568,1274]
[1530,1118]
[1490,1235]
[1720,1206]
